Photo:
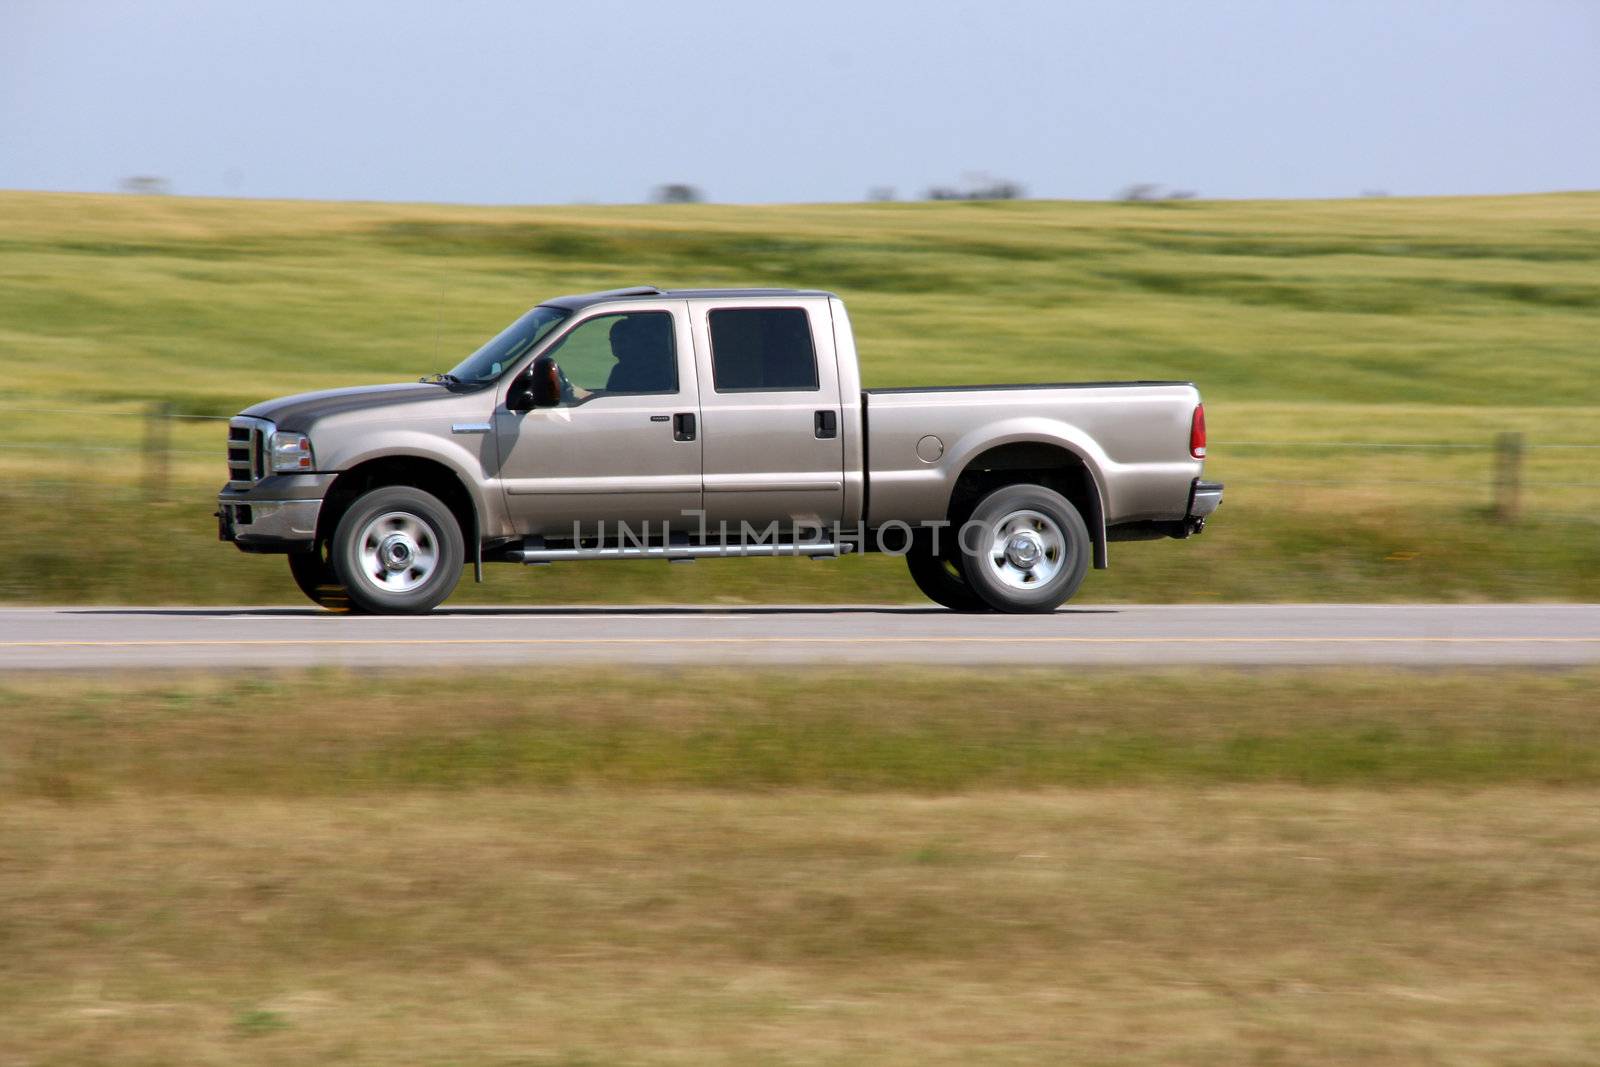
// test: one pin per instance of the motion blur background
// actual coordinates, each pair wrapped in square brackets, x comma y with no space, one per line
[1369,231]
[1361,355]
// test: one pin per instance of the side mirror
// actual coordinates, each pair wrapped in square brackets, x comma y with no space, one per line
[540,387]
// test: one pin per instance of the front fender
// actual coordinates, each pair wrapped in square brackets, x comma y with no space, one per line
[469,458]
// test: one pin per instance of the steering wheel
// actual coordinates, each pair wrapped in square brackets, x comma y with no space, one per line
[568,395]
[571,395]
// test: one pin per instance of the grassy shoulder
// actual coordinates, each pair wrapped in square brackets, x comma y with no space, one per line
[719,867]
[328,732]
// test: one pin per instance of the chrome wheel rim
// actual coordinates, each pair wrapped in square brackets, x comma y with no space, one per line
[1026,550]
[398,552]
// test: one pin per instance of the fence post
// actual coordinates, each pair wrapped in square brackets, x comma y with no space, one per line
[157,448]
[1507,476]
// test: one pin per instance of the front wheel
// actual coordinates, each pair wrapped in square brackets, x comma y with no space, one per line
[397,551]
[1025,549]
[313,573]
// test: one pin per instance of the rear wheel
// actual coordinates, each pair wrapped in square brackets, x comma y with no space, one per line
[397,551]
[1025,549]
[313,573]
[939,575]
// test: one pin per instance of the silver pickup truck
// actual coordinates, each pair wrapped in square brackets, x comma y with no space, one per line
[683,424]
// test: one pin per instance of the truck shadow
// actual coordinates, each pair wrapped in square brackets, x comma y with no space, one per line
[665,610]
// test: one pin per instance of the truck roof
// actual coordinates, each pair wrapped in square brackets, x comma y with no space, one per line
[578,301]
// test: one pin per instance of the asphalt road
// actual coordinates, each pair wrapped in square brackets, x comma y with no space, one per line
[79,639]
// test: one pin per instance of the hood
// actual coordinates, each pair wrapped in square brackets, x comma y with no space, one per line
[298,413]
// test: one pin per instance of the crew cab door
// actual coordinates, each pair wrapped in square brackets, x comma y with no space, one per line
[770,404]
[624,444]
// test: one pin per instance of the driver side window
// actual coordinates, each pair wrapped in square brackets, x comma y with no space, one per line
[619,355]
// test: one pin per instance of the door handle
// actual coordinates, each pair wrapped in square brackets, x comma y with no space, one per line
[827,424]
[683,426]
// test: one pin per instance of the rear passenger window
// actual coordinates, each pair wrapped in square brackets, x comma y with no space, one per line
[762,349]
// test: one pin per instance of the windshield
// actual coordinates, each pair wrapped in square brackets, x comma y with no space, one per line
[490,361]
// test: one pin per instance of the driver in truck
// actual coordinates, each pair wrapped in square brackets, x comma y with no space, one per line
[642,347]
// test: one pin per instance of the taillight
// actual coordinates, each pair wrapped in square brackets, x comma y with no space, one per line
[1197,432]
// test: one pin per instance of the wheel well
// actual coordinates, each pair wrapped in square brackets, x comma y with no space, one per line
[1032,463]
[428,475]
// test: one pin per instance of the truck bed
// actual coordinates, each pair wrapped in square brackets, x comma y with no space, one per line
[1132,436]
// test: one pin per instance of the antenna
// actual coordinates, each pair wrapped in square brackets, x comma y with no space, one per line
[438,314]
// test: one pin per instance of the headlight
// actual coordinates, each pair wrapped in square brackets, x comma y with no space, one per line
[290,452]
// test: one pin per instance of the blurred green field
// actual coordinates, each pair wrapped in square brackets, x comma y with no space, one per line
[1317,331]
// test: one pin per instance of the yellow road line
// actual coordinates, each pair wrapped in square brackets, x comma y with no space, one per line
[779,640]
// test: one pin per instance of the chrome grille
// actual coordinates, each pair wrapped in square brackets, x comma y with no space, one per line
[247,451]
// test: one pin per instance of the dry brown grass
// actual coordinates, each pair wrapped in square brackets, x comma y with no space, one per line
[1258,925]
[733,868]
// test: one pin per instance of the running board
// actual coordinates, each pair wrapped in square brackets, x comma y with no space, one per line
[814,549]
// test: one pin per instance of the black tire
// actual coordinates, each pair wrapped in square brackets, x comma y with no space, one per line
[1051,555]
[397,551]
[939,575]
[314,575]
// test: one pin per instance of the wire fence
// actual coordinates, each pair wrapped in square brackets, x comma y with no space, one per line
[1395,446]
[1506,480]
[101,413]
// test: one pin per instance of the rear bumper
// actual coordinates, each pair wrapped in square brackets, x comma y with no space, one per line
[1204,498]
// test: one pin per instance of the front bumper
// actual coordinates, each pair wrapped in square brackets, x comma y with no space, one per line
[278,514]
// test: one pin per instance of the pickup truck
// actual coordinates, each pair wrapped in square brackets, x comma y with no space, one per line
[684,424]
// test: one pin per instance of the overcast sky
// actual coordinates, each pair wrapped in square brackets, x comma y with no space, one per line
[506,102]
